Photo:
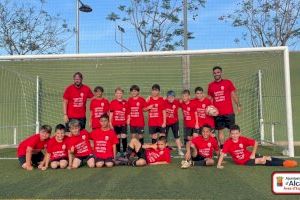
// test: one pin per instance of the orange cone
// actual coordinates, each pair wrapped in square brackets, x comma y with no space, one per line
[290,163]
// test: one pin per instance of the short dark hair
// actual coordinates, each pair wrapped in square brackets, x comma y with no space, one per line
[162,139]
[100,88]
[186,91]
[217,67]
[206,126]
[155,87]
[198,89]
[60,127]
[134,87]
[235,127]
[105,116]
[46,128]
[78,74]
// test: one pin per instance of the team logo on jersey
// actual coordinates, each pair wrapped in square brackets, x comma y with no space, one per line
[123,109]
[102,104]
[209,144]
[83,137]
[81,94]
[241,146]
[63,147]
[156,105]
[106,138]
[45,145]
[222,87]
[174,106]
[123,102]
[203,105]
[138,104]
[188,108]
[161,152]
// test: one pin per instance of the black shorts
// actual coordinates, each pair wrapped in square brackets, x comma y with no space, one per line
[189,131]
[105,160]
[200,160]
[156,129]
[175,130]
[250,162]
[141,154]
[82,122]
[120,129]
[35,159]
[224,121]
[84,159]
[138,130]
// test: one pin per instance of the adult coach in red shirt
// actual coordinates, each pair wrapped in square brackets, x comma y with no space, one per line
[222,92]
[74,101]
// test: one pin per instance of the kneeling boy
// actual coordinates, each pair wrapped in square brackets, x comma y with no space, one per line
[199,151]
[30,150]
[151,154]
[105,140]
[237,145]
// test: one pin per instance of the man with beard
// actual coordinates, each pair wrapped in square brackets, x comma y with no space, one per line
[74,101]
[222,91]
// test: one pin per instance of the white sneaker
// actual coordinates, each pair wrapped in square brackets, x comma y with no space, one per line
[180,152]
[186,164]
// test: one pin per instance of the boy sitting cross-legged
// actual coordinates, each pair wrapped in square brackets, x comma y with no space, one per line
[236,145]
[151,154]
[199,151]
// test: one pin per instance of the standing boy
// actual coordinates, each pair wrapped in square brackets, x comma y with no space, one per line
[30,150]
[136,104]
[156,114]
[99,106]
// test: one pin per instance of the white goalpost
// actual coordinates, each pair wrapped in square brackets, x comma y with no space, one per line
[32,85]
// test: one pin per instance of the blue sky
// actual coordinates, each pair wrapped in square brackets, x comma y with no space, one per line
[97,33]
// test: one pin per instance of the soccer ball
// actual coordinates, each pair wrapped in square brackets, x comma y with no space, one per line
[211,111]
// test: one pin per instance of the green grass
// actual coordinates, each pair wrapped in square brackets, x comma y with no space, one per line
[151,182]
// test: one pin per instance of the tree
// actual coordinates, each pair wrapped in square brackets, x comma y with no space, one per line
[267,22]
[26,28]
[157,23]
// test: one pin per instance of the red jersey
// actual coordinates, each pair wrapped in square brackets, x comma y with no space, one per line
[57,150]
[203,118]
[34,142]
[135,109]
[81,144]
[155,114]
[77,98]
[221,94]
[188,111]
[205,147]
[118,109]
[238,150]
[98,107]
[156,155]
[172,111]
[103,143]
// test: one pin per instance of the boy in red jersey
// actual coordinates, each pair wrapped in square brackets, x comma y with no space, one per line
[172,105]
[29,150]
[99,106]
[118,117]
[199,151]
[136,104]
[201,104]
[105,140]
[151,154]
[156,114]
[79,147]
[222,92]
[74,101]
[190,118]
[237,146]
[57,152]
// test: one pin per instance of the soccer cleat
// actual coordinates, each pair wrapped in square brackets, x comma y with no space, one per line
[186,164]
[290,163]
[180,152]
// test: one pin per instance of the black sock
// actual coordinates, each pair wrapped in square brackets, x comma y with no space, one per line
[274,162]
[124,144]
[141,140]
[154,141]
[185,141]
[118,147]
[129,151]
[221,146]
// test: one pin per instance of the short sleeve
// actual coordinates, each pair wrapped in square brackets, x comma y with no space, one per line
[209,92]
[67,93]
[167,155]
[226,147]
[111,106]
[249,141]
[90,93]
[49,147]
[231,86]
[215,144]
[114,137]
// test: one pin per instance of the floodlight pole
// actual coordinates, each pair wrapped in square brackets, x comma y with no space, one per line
[185,26]
[77,26]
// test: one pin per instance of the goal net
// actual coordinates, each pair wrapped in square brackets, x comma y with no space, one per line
[32,86]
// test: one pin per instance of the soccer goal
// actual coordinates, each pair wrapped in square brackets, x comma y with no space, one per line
[32,86]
